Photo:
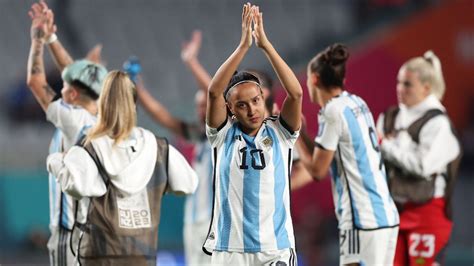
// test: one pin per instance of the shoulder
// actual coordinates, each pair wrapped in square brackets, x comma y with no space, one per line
[148,137]
[438,122]
[271,121]
[222,129]
[142,132]
[333,110]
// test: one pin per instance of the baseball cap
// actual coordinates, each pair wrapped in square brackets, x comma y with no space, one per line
[88,73]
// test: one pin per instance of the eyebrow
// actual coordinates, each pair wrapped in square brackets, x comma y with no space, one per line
[250,99]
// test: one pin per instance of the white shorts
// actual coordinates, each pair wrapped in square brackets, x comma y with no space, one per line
[194,235]
[285,257]
[59,248]
[374,247]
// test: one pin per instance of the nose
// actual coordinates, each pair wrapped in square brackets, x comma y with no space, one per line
[251,111]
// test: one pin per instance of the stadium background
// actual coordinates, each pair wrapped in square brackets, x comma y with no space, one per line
[381,34]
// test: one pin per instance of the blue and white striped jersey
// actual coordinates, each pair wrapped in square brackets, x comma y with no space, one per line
[252,192]
[71,124]
[359,182]
[198,206]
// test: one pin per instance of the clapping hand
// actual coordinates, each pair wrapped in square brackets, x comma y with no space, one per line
[247,13]
[42,21]
[258,32]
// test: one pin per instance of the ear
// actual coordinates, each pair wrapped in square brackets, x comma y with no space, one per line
[427,90]
[229,107]
[314,79]
[74,93]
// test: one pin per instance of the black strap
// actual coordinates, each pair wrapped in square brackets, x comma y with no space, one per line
[389,119]
[91,151]
[162,143]
[415,128]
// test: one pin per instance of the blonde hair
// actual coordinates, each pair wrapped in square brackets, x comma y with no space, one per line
[117,114]
[429,71]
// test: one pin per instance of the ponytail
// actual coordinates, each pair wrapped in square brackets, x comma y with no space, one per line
[439,86]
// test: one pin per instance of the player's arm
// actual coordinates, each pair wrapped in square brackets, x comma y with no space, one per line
[216,113]
[36,76]
[76,173]
[300,177]
[59,54]
[95,54]
[291,108]
[316,161]
[189,55]
[318,156]
[157,110]
[182,179]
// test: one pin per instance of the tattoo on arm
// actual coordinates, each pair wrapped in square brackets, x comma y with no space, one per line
[36,61]
[36,73]
[38,34]
[49,94]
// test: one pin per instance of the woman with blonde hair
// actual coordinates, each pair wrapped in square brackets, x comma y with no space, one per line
[124,171]
[422,153]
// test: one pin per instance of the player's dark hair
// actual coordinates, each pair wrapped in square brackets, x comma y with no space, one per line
[330,64]
[84,89]
[240,77]
[266,82]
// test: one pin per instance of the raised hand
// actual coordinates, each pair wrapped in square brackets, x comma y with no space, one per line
[191,48]
[258,32]
[42,21]
[247,14]
[95,54]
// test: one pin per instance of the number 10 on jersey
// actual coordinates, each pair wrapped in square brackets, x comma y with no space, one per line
[258,160]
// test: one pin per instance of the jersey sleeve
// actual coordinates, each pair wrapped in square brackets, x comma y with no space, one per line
[65,117]
[76,173]
[330,129]
[285,130]
[181,177]
[217,135]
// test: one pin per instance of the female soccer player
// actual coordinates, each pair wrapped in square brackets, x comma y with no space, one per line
[251,223]
[347,142]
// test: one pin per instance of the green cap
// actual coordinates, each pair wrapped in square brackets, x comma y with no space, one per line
[88,73]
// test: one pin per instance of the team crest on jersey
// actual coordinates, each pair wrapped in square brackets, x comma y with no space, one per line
[267,142]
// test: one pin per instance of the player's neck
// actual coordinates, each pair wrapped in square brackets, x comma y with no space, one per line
[249,131]
[90,106]
[327,95]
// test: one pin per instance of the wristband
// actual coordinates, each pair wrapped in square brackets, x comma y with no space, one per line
[52,38]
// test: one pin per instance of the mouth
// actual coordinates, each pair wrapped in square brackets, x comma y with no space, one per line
[254,119]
